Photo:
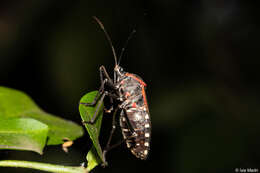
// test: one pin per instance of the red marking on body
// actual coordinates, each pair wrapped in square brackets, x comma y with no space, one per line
[143,85]
[145,101]
[127,94]
[136,78]
[134,105]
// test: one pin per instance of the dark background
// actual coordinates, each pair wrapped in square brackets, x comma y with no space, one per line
[200,60]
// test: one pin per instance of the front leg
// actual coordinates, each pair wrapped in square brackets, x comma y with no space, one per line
[93,119]
[103,74]
[104,79]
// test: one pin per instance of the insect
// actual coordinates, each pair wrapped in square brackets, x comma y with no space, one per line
[126,92]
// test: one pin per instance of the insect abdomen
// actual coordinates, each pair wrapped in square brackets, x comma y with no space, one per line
[140,122]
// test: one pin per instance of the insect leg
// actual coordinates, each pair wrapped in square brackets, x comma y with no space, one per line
[111,134]
[105,79]
[93,119]
[110,147]
[103,73]
[113,128]
[94,102]
[111,97]
[111,107]
[116,145]
[100,92]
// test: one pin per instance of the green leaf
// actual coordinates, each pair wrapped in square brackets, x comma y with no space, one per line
[93,159]
[16,104]
[60,129]
[23,134]
[86,114]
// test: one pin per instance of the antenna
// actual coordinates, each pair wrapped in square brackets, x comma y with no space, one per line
[108,38]
[123,49]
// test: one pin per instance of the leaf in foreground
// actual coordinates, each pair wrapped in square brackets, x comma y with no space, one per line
[93,159]
[16,104]
[23,134]
[94,156]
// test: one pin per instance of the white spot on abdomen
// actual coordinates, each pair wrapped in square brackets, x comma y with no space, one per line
[147,135]
[145,152]
[146,144]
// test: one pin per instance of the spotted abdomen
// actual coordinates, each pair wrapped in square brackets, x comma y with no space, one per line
[136,129]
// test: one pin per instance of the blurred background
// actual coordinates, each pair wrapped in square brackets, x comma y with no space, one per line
[200,60]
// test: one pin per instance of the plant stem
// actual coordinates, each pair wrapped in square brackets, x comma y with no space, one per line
[43,166]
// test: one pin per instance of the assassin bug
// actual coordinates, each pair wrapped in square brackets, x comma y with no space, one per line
[127,92]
